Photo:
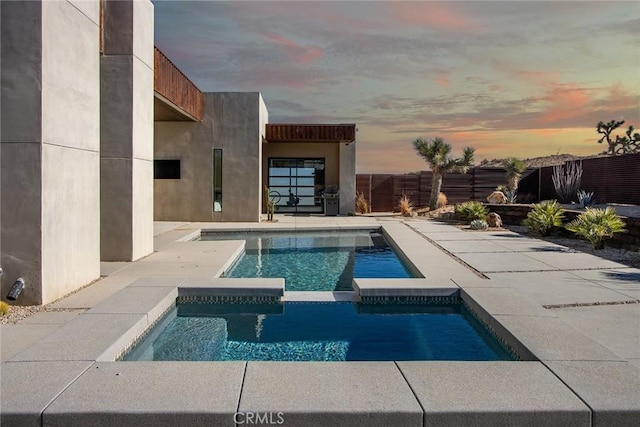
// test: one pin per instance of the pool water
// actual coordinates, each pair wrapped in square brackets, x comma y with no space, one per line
[303,331]
[314,261]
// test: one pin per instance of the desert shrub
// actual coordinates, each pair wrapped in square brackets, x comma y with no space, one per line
[362,206]
[469,211]
[595,225]
[442,200]
[566,180]
[545,217]
[405,205]
[4,308]
[479,224]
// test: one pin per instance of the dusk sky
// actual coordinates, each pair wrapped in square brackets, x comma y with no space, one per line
[509,78]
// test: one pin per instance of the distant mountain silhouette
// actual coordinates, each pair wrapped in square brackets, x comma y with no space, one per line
[537,162]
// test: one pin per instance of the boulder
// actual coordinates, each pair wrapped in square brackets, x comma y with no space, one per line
[497,197]
[494,220]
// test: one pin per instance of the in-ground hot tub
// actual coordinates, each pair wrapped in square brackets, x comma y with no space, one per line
[204,329]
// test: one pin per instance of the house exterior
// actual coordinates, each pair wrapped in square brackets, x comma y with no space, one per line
[227,158]
[101,135]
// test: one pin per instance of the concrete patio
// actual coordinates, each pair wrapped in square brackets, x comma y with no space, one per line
[573,318]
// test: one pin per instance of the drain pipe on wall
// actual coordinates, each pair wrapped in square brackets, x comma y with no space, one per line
[16,289]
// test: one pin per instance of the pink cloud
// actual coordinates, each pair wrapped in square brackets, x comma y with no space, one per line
[296,52]
[559,103]
[438,15]
[282,77]
[564,103]
[537,78]
[546,132]
[442,80]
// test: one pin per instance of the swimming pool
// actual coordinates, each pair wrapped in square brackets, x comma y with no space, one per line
[316,261]
[315,331]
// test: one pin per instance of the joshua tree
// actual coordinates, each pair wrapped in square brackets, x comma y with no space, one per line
[437,153]
[514,168]
[630,143]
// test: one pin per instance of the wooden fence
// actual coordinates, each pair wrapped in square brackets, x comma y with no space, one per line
[383,191]
[614,179]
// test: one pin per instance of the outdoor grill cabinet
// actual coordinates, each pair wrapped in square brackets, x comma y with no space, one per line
[331,199]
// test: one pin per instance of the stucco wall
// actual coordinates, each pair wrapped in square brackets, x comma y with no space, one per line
[127,131]
[21,140]
[264,119]
[237,131]
[233,122]
[50,147]
[189,198]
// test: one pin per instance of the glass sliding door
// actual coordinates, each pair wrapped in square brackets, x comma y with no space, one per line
[298,182]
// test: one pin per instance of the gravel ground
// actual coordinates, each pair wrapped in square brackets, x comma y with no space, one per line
[628,257]
[21,312]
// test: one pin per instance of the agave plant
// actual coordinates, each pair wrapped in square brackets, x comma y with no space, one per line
[479,224]
[595,225]
[545,217]
[469,211]
[511,196]
[585,199]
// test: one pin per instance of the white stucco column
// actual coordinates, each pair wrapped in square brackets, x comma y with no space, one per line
[50,145]
[347,178]
[126,131]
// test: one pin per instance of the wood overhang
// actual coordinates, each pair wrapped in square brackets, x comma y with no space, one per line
[287,132]
[176,98]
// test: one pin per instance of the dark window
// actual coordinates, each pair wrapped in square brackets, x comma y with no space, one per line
[166,169]
[217,180]
[297,184]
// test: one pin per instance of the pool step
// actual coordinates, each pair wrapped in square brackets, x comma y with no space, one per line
[368,288]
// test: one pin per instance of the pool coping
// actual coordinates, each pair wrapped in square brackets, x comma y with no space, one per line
[563,362]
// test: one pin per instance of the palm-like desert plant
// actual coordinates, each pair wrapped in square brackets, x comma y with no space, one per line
[595,225]
[438,154]
[513,168]
[545,217]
